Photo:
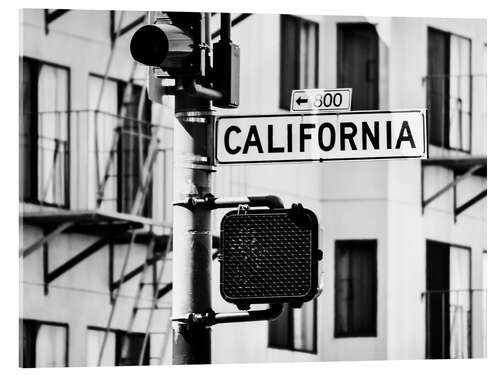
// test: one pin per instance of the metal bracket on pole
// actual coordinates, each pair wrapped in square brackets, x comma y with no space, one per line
[211,318]
[189,87]
[242,209]
[210,202]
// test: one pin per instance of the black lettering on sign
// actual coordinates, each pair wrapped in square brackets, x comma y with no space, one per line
[322,137]
[270,145]
[304,135]
[389,135]
[367,133]
[289,130]
[347,136]
[253,139]
[403,138]
[228,147]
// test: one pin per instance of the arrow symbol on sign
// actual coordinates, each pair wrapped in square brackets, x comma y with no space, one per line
[301,100]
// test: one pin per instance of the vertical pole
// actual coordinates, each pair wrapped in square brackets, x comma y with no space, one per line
[193,168]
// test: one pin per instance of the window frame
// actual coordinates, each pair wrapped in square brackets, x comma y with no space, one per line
[284,100]
[121,85]
[472,306]
[353,334]
[446,143]
[119,334]
[341,29]
[290,345]
[39,323]
[33,198]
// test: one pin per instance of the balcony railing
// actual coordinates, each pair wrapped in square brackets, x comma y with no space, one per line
[100,160]
[452,99]
[448,322]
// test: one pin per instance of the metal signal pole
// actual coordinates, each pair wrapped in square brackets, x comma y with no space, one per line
[192,239]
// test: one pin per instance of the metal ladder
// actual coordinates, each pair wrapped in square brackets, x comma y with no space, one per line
[127,96]
[150,256]
[145,176]
[152,309]
[127,99]
[114,298]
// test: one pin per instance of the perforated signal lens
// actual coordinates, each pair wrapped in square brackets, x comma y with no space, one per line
[269,256]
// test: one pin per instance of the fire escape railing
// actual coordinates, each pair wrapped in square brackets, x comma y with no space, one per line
[449,321]
[451,131]
[134,159]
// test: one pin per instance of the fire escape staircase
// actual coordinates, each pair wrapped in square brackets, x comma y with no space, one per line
[113,228]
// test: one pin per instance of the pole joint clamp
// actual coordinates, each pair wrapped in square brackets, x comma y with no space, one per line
[205,201]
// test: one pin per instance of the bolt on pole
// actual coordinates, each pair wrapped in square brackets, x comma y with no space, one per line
[192,238]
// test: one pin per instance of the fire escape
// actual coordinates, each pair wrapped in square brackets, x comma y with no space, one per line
[130,162]
[133,140]
[114,221]
[452,151]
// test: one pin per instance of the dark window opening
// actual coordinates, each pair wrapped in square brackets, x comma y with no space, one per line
[43,133]
[449,85]
[42,344]
[134,144]
[295,329]
[355,288]
[128,349]
[124,190]
[448,301]
[121,348]
[298,56]
[358,63]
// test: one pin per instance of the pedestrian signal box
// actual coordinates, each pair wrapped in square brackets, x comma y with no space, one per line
[269,256]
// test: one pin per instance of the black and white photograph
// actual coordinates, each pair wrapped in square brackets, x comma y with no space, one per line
[235,188]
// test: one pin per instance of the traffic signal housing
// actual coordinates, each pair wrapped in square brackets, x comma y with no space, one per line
[171,44]
[177,45]
[269,256]
[163,46]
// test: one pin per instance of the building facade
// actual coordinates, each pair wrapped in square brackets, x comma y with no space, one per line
[404,242]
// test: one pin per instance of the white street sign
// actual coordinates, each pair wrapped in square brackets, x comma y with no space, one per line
[320,137]
[321,100]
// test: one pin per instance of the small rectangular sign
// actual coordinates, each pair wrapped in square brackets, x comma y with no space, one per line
[321,137]
[321,100]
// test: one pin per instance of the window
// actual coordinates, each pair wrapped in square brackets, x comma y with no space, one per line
[355,288]
[43,344]
[123,181]
[358,63]
[122,348]
[295,329]
[43,133]
[299,56]
[449,84]
[448,301]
